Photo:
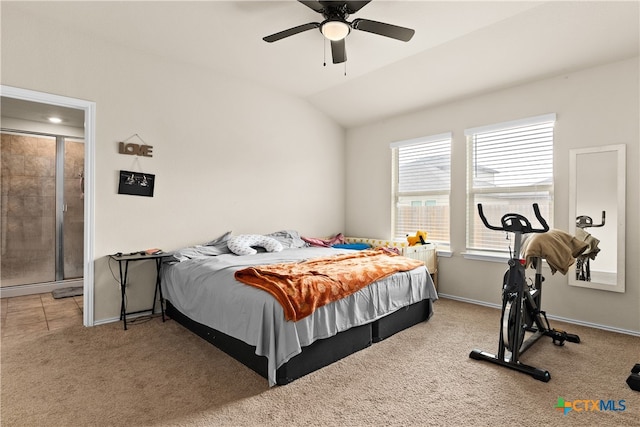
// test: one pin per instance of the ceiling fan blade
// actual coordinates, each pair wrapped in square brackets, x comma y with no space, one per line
[290,32]
[380,28]
[338,51]
[313,4]
[354,6]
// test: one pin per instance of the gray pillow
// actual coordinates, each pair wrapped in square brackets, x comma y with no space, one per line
[214,247]
[194,252]
[288,239]
[222,239]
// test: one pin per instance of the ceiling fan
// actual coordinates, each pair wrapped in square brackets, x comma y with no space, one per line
[335,26]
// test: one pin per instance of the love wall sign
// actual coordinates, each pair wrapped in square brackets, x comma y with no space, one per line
[135,149]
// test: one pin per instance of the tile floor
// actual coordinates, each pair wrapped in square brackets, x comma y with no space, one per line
[39,313]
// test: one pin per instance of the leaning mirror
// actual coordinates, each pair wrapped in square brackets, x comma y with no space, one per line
[597,216]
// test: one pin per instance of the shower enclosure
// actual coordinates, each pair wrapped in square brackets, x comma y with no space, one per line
[42,211]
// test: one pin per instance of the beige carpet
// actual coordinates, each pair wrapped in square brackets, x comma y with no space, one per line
[159,374]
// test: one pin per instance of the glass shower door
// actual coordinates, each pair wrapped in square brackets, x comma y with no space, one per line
[42,209]
[28,209]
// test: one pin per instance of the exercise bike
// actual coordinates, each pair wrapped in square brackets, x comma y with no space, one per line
[521,311]
[583,267]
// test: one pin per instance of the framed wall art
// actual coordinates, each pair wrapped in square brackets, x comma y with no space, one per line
[136,183]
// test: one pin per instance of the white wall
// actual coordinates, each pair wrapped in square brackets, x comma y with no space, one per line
[227,154]
[597,106]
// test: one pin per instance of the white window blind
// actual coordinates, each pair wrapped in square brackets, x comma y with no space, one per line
[510,167]
[421,187]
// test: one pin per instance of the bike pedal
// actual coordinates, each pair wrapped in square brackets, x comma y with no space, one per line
[573,338]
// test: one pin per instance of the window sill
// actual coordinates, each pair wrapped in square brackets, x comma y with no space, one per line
[444,253]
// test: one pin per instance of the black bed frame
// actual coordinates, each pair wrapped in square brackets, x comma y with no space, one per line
[317,355]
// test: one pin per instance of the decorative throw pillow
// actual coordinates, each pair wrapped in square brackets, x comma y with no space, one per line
[242,244]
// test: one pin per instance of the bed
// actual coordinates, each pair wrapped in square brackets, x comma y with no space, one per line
[202,294]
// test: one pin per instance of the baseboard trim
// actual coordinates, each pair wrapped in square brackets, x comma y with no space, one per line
[129,317]
[551,317]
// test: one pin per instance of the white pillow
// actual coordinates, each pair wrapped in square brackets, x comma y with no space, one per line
[242,244]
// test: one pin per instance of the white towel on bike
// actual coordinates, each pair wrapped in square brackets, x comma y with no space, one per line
[558,247]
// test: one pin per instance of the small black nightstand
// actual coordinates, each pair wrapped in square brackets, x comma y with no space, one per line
[123,261]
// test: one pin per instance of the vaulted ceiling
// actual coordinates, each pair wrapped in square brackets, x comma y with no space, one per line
[460,48]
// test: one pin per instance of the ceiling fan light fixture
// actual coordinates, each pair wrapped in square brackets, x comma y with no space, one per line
[335,30]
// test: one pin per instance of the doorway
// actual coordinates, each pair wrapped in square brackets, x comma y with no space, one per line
[64,266]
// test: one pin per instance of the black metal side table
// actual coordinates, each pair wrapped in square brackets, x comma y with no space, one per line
[123,264]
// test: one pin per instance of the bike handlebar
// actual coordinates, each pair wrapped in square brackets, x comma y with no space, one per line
[584,221]
[516,223]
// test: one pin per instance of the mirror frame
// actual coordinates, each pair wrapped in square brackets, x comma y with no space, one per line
[620,150]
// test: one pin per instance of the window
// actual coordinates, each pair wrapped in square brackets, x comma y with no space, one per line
[510,167]
[421,187]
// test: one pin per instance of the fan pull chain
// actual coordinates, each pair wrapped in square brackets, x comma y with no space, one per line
[345,68]
[324,49]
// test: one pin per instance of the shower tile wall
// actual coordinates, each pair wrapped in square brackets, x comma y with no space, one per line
[28,209]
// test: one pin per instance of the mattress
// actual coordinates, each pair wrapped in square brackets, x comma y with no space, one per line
[206,291]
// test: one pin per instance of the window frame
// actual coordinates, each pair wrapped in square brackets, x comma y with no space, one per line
[395,178]
[546,191]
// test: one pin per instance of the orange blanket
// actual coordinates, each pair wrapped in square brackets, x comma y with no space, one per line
[302,287]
